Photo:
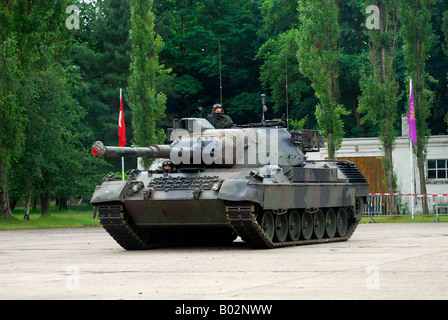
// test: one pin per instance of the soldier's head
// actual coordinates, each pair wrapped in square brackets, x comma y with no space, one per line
[218,110]
[167,166]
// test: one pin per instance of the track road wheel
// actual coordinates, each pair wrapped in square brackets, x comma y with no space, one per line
[295,226]
[330,223]
[307,225]
[341,222]
[281,227]
[319,224]
[268,224]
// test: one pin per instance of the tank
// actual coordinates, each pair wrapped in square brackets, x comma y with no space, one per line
[254,182]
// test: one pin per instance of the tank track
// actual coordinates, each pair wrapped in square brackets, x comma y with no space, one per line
[120,226]
[115,221]
[242,218]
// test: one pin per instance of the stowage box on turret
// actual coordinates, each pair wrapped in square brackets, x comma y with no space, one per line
[251,181]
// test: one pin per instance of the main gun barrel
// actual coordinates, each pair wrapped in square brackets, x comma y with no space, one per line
[151,152]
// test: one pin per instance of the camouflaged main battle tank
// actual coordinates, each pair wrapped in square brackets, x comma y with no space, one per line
[251,181]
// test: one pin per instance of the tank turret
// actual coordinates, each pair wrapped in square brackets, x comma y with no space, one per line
[195,143]
[252,181]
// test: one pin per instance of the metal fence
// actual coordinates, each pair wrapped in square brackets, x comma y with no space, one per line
[405,204]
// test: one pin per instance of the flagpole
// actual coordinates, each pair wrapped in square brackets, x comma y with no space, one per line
[122,158]
[411,164]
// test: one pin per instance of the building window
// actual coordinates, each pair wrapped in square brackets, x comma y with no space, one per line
[438,169]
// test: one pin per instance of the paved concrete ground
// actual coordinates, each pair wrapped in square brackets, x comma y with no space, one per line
[381,261]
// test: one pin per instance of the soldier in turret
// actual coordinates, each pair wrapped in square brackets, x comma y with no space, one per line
[222,121]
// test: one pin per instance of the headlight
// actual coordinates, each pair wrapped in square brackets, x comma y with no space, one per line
[135,188]
[215,186]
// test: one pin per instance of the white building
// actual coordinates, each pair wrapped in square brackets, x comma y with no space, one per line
[366,153]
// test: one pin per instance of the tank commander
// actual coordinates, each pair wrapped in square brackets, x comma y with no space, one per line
[167,166]
[222,121]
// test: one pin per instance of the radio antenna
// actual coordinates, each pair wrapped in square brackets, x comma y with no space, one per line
[286,83]
[220,72]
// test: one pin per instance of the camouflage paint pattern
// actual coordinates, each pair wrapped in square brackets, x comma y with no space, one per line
[265,166]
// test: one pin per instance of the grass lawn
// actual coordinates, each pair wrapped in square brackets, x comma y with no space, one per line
[79,216]
[403,219]
[75,217]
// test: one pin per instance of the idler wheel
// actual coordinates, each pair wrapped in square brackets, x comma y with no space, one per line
[330,223]
[319,224]
[268,224]
[281,227]
[294,225]
[358,210]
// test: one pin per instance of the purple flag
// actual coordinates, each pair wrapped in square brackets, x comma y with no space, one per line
[411,119]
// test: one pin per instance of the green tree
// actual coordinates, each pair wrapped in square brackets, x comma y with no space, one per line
[12,116]
[102,51]
[445,47]
[318,54]
[24,31]
[51,158]
[436,67]
[416,31]
[55,161]
[281,67]
[195,33]
[279,16]
[148,105]
[354,52]
[445,32]
[379,85]
[280,71]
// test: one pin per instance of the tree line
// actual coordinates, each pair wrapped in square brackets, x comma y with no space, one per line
[337,66]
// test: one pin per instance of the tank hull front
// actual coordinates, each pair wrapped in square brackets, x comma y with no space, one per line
[177,212]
